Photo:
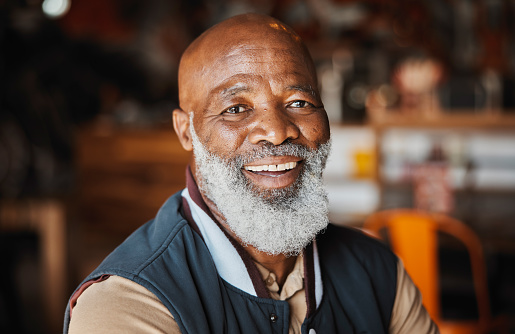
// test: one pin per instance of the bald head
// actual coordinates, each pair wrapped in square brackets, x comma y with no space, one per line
[220,45]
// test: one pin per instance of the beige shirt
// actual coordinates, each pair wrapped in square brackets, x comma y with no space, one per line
[119,305]
[293,292]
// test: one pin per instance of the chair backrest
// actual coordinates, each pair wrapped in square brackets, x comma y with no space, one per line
[413,236]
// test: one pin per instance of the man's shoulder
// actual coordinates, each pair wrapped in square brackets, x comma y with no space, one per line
[117,304]
[351,241]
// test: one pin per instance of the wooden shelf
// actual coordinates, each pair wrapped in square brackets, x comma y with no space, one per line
[126,174]
[456,119]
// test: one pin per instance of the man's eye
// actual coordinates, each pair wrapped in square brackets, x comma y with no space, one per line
[300,104]
[235,110]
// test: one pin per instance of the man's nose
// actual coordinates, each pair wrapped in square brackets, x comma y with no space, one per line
[273,125]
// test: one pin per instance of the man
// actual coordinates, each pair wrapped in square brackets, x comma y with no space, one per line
[246,247]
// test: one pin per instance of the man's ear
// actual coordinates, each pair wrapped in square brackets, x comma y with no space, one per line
[181,124]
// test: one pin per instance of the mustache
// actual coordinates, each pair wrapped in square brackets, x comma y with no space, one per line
[267,149]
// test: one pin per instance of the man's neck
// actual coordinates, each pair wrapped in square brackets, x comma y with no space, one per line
[280,265]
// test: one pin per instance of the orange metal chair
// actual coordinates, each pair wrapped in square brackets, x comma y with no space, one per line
[413,237]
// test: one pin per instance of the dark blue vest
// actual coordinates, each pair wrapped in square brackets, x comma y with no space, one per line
[168,258]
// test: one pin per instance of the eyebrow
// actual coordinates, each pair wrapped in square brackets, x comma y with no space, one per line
[303,88]
[233,90]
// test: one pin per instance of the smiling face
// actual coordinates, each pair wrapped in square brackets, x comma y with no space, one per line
[251,113]
[250,82]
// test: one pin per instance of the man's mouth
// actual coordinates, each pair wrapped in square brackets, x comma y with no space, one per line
[272,168]
[274,172]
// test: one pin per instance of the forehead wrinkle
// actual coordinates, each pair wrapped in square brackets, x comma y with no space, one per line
[250,50]
[249,63]
[232,85]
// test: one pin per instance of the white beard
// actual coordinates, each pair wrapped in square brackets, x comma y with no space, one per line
[282,221]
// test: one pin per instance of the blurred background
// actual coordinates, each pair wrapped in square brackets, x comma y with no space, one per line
[420,95]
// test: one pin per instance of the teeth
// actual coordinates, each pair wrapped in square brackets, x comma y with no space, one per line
[272,168]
